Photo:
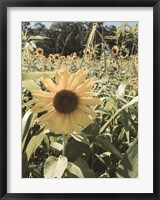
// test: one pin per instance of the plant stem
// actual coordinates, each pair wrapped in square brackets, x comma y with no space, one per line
[64,144]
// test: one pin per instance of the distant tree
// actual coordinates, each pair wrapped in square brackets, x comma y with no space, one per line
[68,37]
[26,26]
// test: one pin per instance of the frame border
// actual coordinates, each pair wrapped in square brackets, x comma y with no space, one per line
[4,4]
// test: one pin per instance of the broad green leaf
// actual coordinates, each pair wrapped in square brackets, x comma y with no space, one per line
[30,85]
[106,145]
[92,130]
[36,75]
[33,144]
[27,122]
[128,166]
[75,149]
[83,165]
[57,146]
[74,169]
[55,167]
[81,138]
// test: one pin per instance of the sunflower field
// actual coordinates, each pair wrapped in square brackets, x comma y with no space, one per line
[80,108]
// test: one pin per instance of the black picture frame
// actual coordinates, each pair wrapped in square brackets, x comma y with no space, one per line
[4,4]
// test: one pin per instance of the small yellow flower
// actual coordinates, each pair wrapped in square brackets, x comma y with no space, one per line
[115,50]
[39,51]
[68,102]
[112,61]
[35,54]
[87,52]
[50,57]
[63,58]
[56,57]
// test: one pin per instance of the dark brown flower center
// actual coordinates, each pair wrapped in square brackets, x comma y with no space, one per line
[114,51]
[39,51]
[65,101]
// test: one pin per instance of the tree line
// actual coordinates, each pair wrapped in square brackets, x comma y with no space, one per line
[68,37]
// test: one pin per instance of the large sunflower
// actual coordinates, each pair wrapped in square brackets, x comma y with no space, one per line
[67,102]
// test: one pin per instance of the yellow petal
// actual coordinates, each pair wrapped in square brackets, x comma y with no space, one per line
[50,85]
[79,77]
[43,108]
[85,108]
[89,101]
[54,123]
[85,86]
[87,94]
[60,122]
[82,118]
[74,123]
[43,100]
[63,77]
[46,117]
[67,129]
[40,93]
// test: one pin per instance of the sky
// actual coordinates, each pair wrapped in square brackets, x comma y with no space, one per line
[115,23]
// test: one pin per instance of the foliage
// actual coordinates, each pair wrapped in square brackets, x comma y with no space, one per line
[108,148]
[71,37]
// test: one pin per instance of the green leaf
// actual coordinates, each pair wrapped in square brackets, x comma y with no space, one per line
[57,146]
[30,85]
[55,167]
[28,103]
[75,149]
[38,37]
[26,123]
[133,101]
[128,166]
[121,90]
[25,169]
[92,130]
[106,145]
[109,105]
[74,169]
[126,125]
[81,138]
[34,143]
[83,165]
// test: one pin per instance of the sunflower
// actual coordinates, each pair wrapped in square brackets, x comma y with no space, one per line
[115,50]
[56,57]
[35,54]
[50,57]
[39,51]
[63,58]
[68,102]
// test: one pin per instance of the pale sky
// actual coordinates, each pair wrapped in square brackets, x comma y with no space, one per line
[115,23]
